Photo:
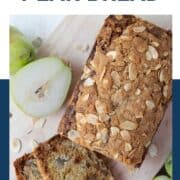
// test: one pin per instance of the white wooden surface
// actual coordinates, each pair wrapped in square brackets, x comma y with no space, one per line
[70,39]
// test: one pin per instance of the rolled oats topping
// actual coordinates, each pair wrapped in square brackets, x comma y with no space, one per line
[138,92]
[150,104]
[115,77]
[132,71]
[85,97]
[112,54]
[128,125]
[127,86]
[100,107]
[127,147]
[73,135]
[80,118]
[114,131]
[152,53]
[125,135]
[155,44]
[104,117]
[92,119]
[102,135]
[139,29]
[89,82]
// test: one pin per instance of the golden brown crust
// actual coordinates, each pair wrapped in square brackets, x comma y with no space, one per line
[24,167]
[126,83]
[59,158]
[68,120]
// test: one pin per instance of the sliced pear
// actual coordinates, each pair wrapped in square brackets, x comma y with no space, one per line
[40,88]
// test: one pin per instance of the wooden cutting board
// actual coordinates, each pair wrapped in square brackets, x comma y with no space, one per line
[73,40]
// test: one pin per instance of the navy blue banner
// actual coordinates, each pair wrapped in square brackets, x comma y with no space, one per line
[176,129]
[4,129]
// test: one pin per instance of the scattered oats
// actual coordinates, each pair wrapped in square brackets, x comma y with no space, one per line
[16,145]
[33,144]
[89,82]
[112,54]
[85,97]
[156,44]
[92,119]
[29,131]
[40,123]
[128,125]
[138,92]
[125,135]
[127,147]
[81,118]
[127,87]
[114,131]
[139,29]
[153,151]
[73,135]
[150,104]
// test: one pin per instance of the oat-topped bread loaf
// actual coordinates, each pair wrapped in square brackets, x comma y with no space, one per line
[124,89]
[61,159]
[26,168]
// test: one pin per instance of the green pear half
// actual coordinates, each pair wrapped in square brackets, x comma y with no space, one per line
[40,88]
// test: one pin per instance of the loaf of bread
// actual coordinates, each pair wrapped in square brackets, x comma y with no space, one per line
[61,159]
[26,168]
[120,100]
